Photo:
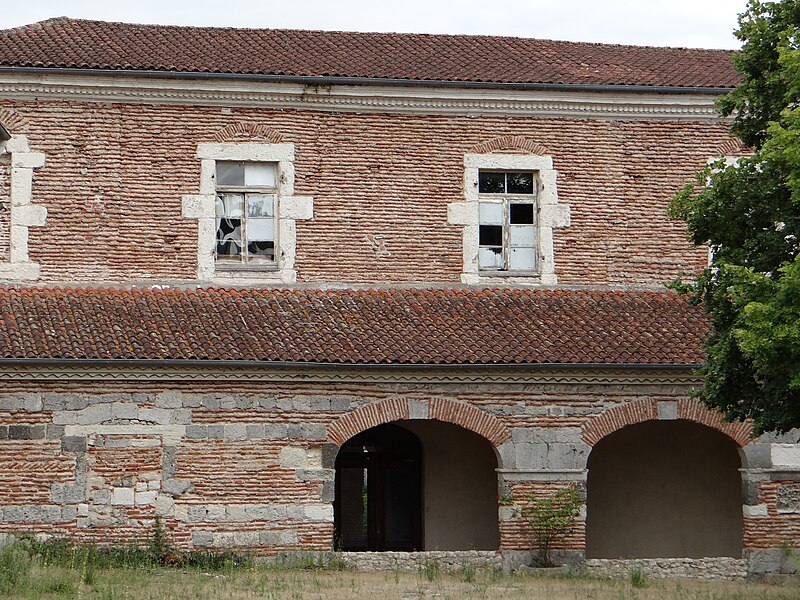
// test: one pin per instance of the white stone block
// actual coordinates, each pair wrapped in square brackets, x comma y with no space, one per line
[27,160]
[300,208]
[246,151]
[197,207]
[292,457]
[786,456]
[554,215]
[164,505]
[159,416]
[17,143]
[83,510]
[122,496]
[319,512]
[759,510]
[124,410]
[29,215]
[21,186]
[141,486]
[462,213]
[145,498]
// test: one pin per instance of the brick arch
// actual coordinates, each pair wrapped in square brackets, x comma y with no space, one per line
[13,122]
[648,410]
[734,147]
[448,411]
[510,142]
[247,131]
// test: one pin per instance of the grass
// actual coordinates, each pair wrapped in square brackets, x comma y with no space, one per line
[54,571]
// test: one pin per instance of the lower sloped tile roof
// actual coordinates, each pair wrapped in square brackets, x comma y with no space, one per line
[351,326]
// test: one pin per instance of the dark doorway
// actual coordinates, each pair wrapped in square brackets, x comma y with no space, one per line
[378,501]
[664,489]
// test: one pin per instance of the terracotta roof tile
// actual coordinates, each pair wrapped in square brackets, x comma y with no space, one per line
[75,43]
[406,326]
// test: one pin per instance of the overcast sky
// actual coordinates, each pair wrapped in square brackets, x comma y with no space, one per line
[691,23]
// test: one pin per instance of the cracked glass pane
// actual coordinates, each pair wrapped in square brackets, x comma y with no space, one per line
[230,173]
[230,205]
[490,258]
[261,252]
[260,205]
[490,182]
[520,183]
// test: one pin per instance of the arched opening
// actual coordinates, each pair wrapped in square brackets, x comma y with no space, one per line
[664,489]
[416,485]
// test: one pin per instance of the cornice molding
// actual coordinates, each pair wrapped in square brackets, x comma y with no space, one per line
[363,99]
[38,372]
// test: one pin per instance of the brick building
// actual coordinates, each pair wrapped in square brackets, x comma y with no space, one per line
[297,290]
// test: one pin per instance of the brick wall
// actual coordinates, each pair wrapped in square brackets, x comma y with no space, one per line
[5,206]
[115,175]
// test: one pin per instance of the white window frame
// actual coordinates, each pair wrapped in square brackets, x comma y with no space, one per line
[505,200]
[550,215]
[290,209]
[24,213]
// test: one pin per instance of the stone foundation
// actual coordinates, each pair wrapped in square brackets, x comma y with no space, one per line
[667,568]
[414,561]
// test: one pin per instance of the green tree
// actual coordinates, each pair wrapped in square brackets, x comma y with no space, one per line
[749,214]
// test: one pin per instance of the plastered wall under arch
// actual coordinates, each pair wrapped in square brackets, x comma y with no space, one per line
[460,483]
[661,489]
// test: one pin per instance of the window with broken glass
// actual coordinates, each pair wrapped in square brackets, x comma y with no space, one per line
[247,202]
[507,223]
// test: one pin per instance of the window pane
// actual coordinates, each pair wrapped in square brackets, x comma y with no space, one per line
[491,213]
[230,173]
[490,235]
[521,214]
[229,229]
[490,258]
[230,205]
[259,174]
[491,182]
[523,236]
[261,252]
[260,205]
[520,183]
[521,259]
[259,230]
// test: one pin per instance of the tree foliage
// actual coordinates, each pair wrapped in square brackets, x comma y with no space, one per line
[748,212]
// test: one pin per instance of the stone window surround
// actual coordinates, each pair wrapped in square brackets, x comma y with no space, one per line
[24,213]
[291,209]
[551,215]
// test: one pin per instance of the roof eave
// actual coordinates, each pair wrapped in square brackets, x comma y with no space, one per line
[233,364]
[327,80]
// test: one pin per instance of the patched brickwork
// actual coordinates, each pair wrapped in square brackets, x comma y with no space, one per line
[647,410]
[775,527]
[515,531]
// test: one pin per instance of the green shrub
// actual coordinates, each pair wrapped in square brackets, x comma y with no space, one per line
[637,577]
[550,518]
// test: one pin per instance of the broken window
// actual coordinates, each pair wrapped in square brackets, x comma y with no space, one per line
[507,221]
[247,198]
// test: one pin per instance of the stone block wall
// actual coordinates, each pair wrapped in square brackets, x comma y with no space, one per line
[251,466]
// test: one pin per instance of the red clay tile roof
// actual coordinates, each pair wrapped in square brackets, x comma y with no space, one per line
[75,43]
[407,326]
